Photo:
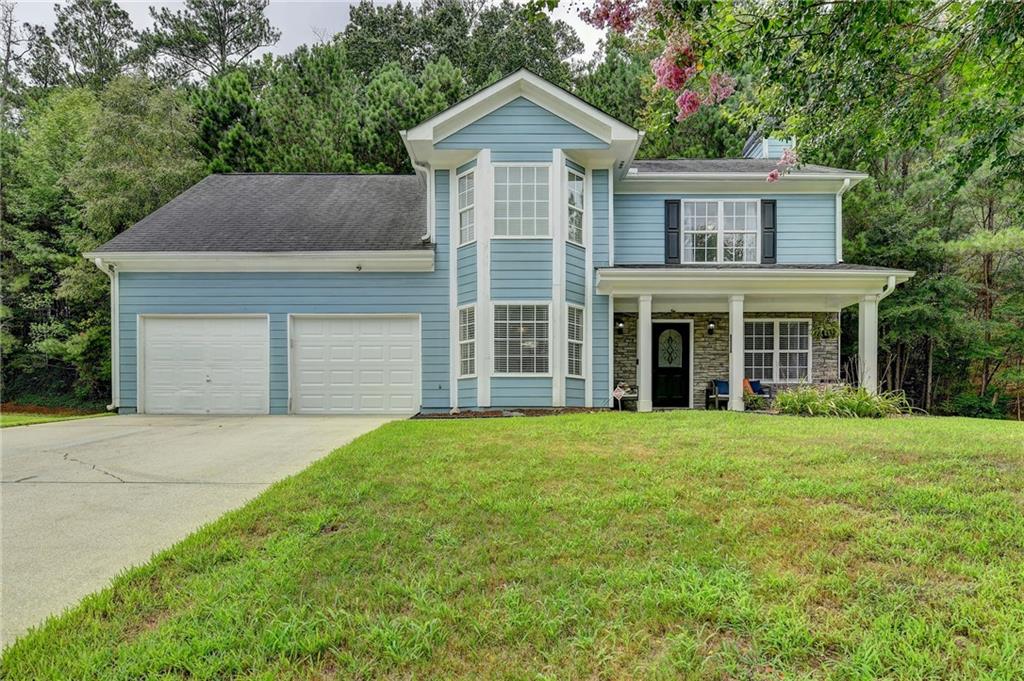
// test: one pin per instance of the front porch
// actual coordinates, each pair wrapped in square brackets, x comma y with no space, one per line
[676,328]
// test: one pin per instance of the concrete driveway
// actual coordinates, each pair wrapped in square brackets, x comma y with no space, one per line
[83,500]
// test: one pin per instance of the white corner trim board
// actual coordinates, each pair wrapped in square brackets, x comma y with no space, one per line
[291,261]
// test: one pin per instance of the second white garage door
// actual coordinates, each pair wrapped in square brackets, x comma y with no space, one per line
[350,365]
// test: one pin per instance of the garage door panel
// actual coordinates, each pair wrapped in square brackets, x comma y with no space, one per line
[205,365]
[355,364]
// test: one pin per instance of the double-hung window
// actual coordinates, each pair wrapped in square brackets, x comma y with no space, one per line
[574,197]
[777,351]
[720,231]
[575,326]
[467,191]
[467,341]
[522,339]
[521,201]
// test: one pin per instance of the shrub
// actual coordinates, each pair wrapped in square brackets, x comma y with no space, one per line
[985,406]
[840,400]
[754,402]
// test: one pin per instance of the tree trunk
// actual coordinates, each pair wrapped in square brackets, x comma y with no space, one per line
[928,378]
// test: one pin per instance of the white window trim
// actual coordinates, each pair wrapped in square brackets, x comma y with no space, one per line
[720,241]
[775,349]
[494,354]
[582,209]
[551,227]
[459,342]
[471,208]
[582,342]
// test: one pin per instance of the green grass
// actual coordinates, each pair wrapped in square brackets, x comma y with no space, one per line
[664,546]
[14,418]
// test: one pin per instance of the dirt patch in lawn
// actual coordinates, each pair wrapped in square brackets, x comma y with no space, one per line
[13,407]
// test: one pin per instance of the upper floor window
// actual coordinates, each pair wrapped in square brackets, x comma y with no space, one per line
[521,201]
[467,230]
[574,197]
[720,231]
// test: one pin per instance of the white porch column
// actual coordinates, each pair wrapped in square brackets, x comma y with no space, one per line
[867,334]
[643,348]
[736,353]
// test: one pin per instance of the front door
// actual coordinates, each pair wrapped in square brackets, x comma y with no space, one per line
[671,365]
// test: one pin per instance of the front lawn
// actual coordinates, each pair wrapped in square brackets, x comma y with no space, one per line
[9,419]
[678,545]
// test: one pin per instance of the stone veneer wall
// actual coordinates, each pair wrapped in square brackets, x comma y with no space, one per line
[711,353]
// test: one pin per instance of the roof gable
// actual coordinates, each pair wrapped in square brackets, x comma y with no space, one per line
[523,127]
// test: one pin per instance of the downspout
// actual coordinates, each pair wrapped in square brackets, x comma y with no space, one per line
[423,168]
[839,219]
[890,286]
[115,354]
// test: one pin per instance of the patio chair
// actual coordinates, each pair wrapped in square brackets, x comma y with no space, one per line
[717,393]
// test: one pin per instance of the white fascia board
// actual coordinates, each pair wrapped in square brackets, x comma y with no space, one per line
[296,261]
[708,282]
[731,183]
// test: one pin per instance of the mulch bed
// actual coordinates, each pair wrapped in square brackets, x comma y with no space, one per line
[35,409]
[509,413]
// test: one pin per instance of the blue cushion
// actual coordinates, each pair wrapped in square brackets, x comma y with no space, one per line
[757,387]
[721,387]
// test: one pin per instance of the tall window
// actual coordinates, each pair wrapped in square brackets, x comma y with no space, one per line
[575,200]
[777,351]
[575,337]
[521,339]
[467,341]
[720,231]
[521,201]
[467,231]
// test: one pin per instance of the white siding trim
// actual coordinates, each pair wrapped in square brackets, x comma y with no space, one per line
[558,216]
[611,216]
[453,293]
[484,217]
[588,274]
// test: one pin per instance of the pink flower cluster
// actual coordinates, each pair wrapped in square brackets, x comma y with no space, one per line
[618,15]
[786,161]
[676,65]
[688,102]
[720,87]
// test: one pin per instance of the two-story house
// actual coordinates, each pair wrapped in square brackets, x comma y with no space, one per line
[529,262]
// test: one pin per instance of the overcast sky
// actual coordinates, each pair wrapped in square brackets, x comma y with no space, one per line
[300,21]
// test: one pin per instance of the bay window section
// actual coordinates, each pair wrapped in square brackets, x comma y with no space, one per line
[467,341]
[720,231]
[574,336]
[521,201]
[521,339]
[777,351]
[467,193]
[575,200]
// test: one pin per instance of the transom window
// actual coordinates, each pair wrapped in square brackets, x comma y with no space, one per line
[575,201]
[575,336]
[720,231]
[777,351]
[521,201]
[467,193]
[521,339]
[467,341]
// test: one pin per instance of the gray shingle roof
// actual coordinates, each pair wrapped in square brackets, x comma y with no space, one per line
[285,212]
[759,166]
[816,267]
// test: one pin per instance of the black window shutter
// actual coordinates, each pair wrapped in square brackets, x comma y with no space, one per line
[768,231]
[672,232]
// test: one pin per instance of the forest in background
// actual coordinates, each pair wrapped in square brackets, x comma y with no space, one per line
[102,124]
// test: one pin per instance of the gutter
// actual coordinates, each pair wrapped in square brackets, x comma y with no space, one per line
[115,349]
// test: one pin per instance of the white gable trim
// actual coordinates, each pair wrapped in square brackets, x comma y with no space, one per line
[302,261]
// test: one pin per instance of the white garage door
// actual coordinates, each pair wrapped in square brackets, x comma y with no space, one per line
[349,365]
[205,365]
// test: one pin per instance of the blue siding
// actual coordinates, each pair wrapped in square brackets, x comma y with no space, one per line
[520,391]
[467,274]
[575,392]
[805,223]
[575,274]
[521,269]
[521,131]
[775,147]
[757,150]
[467,393]
[469,165]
